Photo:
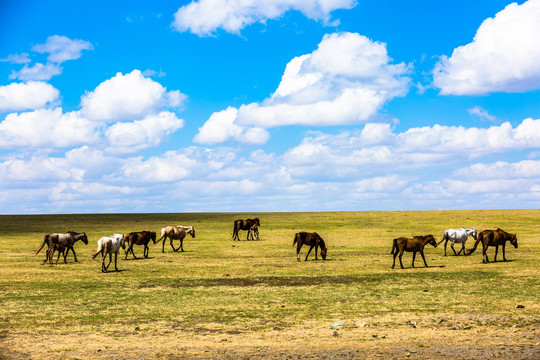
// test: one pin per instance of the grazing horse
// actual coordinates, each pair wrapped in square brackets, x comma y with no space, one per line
[109,245]
[416,244]
[139,238]
[458,236]
[176,233]
[60,242]
[494,238]
[313,240]
[244,225]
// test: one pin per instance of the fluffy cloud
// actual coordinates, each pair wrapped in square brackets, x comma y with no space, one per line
[141,134]
[502,57]
[37,72]
[221,127]
[46,128]
[26,96]
[128,97]
[203,17]
[345,81]
[62,48]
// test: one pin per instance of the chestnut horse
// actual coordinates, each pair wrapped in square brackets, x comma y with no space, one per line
[313,240]
[414,245]
[495,238]
[139,238]
[244,225]
[176,233]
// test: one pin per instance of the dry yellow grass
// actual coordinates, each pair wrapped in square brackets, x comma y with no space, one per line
[225,299]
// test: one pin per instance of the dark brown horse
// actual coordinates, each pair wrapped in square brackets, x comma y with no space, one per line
[414,245]
[313,240]
[495,238]
[244,225]
[60,242]
[139,238]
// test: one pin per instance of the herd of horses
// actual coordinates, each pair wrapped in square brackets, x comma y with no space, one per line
[109,245]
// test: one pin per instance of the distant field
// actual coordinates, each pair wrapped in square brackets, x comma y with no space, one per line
[252,299]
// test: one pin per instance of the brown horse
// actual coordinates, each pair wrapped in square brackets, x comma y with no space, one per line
[60,242]
[176,233]
[253,230]
[495,238]
[313,240]
[244,225]
[139,238]
[414,245]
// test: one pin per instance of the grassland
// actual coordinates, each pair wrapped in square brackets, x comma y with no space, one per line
[252,299]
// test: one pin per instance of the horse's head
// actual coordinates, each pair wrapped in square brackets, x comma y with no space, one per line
[473,233]
[192,232]
[122,240]
[431,240]
[153,237]
[324,251]
[84,238]
[513,240]
[257,221]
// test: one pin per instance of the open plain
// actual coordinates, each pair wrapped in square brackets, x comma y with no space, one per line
[251,299]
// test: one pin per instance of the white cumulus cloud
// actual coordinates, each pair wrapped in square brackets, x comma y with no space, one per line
[204,17]
[503,56]
[346,80]
[140,134]
[46,128]
[27,96]
[128,97]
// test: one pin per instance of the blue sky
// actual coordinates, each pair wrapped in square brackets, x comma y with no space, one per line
[282,105]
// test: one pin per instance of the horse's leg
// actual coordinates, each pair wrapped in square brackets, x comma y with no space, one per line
[401,256]
[132,245]
[504,251]
[485,258]
[496,252]
[163,245]
[298,247]
[110,260]
[423,257]
[73,251]
[413,257]
[445,243]
[316,248]
[311,248]
[462,248]
[103,256]
[175,250]
[58,257]
[394,263]
[115,260]
[452,246]
[146,249]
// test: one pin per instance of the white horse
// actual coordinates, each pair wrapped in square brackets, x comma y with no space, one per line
[458,236]
[175,233]
[109,245]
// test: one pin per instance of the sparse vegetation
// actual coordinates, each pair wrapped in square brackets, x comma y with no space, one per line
[223,299]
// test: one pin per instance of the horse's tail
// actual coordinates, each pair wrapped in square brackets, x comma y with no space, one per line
[295,239]
[394,246]
[470,251]
[99,247]
[445,237]
[45,240]
[162,235]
